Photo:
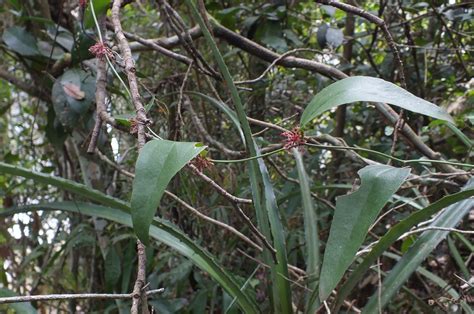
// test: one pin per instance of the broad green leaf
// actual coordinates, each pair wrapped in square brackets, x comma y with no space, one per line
[73,93]
[353,216]
[364,88]
[158,162]
[20,41]
[311,234]
[100,8]
[392,235]
[162,231]
[45,49]
[419,251]
[20,307]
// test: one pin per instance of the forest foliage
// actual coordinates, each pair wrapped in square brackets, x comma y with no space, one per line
[236,156]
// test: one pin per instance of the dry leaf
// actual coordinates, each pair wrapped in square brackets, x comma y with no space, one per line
[74,91]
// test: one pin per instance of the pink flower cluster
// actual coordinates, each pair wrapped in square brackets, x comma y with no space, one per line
[83,4]
[100,50]
[201,163]
[293,138]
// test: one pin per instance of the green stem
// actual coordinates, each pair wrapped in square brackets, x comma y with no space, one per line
[410,161]
[96,22]
[247,159]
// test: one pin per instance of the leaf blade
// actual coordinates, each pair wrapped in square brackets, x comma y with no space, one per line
[158,162]
[371,89]
[392,235]
[418,252]
[354,214]
[311,233]
[162,231]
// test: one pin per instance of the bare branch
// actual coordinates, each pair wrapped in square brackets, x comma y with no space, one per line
[423,229]
[27,88]
[142,121]
[79,296]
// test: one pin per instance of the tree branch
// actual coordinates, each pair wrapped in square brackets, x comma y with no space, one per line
[27,88]
[79,296]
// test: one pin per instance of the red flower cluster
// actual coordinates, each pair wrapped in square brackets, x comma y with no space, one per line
[83,4]
[99,50]
[294,138]
[201,163]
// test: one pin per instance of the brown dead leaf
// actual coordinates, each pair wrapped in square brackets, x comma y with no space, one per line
[73,91]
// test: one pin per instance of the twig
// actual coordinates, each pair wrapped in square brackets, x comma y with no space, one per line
[274,62]
[138,297]
[296,181]
[377,21]
[218,188]
[214,221]
[297,272]
[179,27]
[130,71]
[157,47]
[406,234]
[100,94]
[28,88]
[328,310]
[235,200]
[203,132]
[79,296]
[179,116]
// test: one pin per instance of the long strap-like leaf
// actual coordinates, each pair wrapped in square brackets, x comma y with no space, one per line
[118,211]
[266,220]
[418,252]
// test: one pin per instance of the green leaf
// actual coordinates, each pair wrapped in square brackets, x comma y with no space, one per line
[64,184]
[20,41]
[113,269]
[20,307]
[419,251]
[128,258]
[124,119]
[364,88]
[393,234]
[162,231]
[100,8]
[281,284]
[256,176]
[353,216]
[311,234]
[70,107]
[45,49]
[158,162]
